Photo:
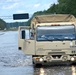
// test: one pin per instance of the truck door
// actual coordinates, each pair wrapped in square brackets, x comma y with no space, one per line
[24,41]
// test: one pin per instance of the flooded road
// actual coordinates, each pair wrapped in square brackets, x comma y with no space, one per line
[14,62]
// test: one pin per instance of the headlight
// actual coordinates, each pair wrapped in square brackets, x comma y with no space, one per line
[41,59]
[72,59]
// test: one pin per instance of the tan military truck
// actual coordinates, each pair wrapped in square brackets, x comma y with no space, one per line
[49,39]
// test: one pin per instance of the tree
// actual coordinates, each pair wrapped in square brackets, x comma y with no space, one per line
[52,9]
[63,7]
[67,6]
[2,24]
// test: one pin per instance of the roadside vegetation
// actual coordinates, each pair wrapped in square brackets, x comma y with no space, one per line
[2,24]
[62,7]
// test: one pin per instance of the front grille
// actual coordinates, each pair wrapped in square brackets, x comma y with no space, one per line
[58,56]
[56,53]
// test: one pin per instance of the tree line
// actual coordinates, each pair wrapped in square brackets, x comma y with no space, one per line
[62,7]
[2,24]
[15,25]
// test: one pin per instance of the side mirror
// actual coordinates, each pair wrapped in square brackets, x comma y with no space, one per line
[23,34]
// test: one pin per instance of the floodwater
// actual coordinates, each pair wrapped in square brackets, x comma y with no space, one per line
[14,62]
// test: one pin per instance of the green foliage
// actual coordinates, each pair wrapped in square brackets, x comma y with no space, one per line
[2,24]
[63,7]
[67,6]
[52,9]
[16,24]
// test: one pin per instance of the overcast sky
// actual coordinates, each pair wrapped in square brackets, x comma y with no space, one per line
[10,7]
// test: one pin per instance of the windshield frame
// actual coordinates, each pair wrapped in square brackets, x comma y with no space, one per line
[46,39]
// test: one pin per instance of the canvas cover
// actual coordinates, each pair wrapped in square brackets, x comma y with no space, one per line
[54,18]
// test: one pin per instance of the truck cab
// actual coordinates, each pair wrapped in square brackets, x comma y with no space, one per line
[49,39]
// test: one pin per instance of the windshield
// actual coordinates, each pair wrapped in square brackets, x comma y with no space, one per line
[55,33]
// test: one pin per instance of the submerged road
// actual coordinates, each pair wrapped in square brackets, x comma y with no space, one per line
[14,62]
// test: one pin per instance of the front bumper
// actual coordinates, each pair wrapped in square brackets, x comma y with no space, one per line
[54,60]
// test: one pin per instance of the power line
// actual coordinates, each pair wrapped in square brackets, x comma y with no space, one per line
[6,17]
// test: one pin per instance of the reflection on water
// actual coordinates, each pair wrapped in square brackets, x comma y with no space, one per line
[42,72]
[73,70]
[9,53]
[55,70]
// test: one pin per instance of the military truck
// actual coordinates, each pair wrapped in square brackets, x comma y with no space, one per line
[49,39]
